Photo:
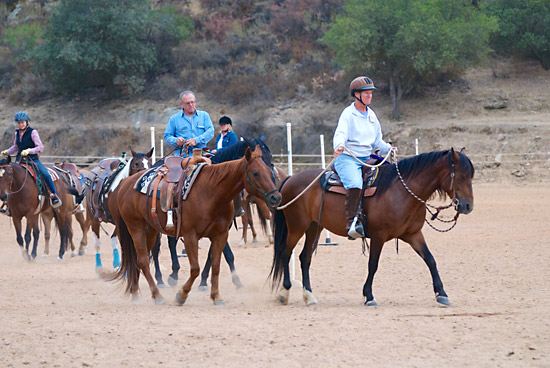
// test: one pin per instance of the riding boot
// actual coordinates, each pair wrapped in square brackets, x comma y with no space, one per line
[354,225]
[55,201]
[237,206]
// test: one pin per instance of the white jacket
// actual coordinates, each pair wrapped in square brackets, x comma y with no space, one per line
[361,135]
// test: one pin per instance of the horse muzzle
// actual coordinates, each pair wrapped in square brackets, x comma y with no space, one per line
[273,199]
[4,196]
[465,206]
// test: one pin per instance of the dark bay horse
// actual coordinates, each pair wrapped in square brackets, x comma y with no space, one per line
[101,186]
[207,212]
[396,211]
[20,190]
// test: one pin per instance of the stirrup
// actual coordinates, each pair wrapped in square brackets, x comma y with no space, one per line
[55,201]
[356,230]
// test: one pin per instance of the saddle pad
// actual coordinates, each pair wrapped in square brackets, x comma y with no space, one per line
[146,178]
[190,179]
[331,183]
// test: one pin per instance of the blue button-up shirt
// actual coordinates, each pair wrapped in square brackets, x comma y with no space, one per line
[198,126]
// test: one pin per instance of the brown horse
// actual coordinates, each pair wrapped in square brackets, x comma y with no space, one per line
[19,189]
[74,177]
[207,212]
[101,187]
[396,211]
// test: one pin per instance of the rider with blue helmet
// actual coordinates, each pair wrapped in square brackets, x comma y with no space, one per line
[27,143]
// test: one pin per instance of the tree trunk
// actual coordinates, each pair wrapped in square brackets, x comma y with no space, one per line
[396,92]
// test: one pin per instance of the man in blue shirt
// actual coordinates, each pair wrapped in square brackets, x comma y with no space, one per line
[190,128]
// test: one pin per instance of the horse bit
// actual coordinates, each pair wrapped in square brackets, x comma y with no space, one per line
[255,187]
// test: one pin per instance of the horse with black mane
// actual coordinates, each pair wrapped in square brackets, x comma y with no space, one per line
[396,211]
[206,212]
[27,199]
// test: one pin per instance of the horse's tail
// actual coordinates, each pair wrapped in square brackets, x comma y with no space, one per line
[280,253]
[263,220]
[129,270]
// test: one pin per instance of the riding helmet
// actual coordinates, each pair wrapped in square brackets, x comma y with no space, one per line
[361,84]
[225,120]
[21,116]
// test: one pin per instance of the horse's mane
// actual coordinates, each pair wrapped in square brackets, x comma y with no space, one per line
[236,151]
[413,166]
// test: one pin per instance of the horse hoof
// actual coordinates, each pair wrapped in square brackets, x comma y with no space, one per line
[179,299]
[161,285]
[283,296]
[159,301]
[59,258]
[254,241]
[172,281]
[44,255]
[73,254]
[81,252]
[98,269]
[203,288]
[371,303]
[219,302]
[236,280]
[309,299]
[443,300]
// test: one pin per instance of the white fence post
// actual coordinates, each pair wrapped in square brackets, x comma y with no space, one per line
[289,152]
[153,144]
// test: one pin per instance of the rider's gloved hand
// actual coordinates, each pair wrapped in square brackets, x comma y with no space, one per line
[5,153]
[25,152]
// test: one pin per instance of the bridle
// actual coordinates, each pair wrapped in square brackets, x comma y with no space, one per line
[454,201]
[5,167]
[265,194]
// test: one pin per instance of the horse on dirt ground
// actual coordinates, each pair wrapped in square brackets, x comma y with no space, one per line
[397,210]
[27,199]
[74,177]
[234,152]
[101,187]
[206,212]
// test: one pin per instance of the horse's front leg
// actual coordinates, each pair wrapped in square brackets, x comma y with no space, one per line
[419,245]
[292,238]
[84,226]
[230,259]
[172,245]
[218,243]
[203,286]
[47,222]
[155,253]
[191,243]
[17,225]
[374,256]
[35,236]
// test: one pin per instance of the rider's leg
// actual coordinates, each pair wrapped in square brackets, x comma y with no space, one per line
[55,201]
[349,171]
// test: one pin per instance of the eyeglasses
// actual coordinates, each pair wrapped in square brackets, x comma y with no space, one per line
[189,103]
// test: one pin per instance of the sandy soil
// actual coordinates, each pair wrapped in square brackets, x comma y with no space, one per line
[494,265]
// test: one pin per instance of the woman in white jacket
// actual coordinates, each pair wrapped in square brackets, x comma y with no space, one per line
[359,131]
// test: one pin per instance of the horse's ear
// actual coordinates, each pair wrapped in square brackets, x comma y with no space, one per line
[248,153]
[463,150]
[133,152]
[150,153]
[454,155]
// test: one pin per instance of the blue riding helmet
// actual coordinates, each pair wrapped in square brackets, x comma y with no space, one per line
[21,116]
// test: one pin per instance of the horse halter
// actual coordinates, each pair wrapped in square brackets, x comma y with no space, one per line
[454,201]
[9,169]
[255,187]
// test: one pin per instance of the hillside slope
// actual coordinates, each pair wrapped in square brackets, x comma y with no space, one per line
[504,121]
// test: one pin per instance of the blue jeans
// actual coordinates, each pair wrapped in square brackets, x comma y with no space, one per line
[46,176]
[349,170]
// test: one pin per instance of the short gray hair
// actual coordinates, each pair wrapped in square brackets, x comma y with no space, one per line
[187,92]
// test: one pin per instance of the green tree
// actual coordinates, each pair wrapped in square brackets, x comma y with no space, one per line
[409,42]
[524,28]
[98,43]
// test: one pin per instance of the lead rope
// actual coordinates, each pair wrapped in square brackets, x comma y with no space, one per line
[391,153]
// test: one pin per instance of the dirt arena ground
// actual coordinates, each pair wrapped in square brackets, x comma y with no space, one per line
[494,265]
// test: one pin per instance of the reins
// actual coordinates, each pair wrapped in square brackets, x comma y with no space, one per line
[391,153]
[454,201]
[11,183]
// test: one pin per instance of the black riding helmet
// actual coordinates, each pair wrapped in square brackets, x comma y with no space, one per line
[225,120]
